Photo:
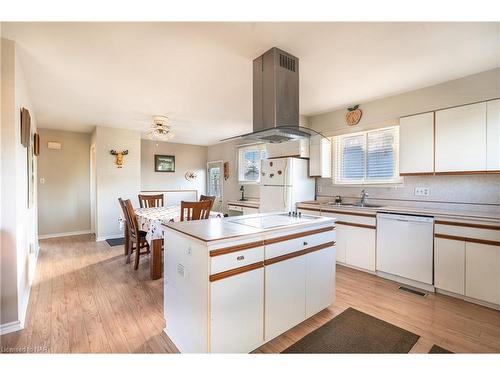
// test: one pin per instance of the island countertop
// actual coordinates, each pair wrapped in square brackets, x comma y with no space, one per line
[248,225]
[233,284]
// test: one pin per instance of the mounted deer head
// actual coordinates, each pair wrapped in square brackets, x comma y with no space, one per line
[119,157]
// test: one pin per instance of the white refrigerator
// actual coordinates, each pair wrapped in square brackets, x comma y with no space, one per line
[285,182]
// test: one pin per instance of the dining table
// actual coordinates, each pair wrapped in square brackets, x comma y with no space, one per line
[150,220]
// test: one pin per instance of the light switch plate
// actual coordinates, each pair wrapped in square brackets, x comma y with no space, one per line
[422,191]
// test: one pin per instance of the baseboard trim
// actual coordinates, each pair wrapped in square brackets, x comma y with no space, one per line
[11,327]
[468,299]
[65,234]
[356,268]
[104,238]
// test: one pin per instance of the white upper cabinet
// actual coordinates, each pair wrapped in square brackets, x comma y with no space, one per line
[461,139]
[320,157]
[493,135]
[416,144]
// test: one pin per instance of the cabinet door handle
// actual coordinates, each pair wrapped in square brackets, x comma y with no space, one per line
[241,257]
[305,243]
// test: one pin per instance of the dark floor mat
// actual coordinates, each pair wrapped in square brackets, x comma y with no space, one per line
[355,332]
[436,349]
[116,241]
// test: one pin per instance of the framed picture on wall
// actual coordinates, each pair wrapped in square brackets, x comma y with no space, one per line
[164,163]
[25,127]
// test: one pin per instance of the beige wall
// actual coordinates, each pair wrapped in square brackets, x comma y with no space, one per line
[187,158]
[19,243]
[470,192]
[67,183]
[113,182]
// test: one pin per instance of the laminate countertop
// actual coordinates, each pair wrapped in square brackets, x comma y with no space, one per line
[440,213]
[247,225]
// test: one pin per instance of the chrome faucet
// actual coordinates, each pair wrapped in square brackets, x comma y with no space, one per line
[362,197]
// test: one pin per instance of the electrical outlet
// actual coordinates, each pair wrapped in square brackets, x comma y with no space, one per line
[422,191]
[319,189]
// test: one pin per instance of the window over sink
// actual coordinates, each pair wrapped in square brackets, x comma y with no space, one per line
[368,157]
[249,158]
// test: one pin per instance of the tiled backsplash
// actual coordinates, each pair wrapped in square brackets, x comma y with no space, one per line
[472,192]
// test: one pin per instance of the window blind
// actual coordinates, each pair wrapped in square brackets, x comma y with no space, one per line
[367,157]
[353,158]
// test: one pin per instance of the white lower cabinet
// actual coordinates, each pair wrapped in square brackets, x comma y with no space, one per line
[284,296]
[482,277]
[236,309]
[320,277]
[360,247]
[449,265]
[250,211]
[341,242]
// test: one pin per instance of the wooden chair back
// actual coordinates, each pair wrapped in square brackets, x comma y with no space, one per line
[130,217]
[155,200]
[210,198]
[195,210]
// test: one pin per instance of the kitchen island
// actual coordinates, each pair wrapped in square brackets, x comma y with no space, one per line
[232,284]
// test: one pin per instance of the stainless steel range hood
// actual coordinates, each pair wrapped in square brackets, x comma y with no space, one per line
[276,99]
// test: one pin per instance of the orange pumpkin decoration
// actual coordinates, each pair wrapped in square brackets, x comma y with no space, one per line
[353,115]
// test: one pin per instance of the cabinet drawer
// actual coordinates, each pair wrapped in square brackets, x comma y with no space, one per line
[365,219]
[234,208]
[468,233]
[280,246]
[236,259]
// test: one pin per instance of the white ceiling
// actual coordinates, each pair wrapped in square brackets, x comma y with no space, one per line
[200,74]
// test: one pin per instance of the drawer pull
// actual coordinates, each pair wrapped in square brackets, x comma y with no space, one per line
[241,257]
[305,243]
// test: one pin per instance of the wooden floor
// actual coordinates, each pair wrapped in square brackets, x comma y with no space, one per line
[86,299]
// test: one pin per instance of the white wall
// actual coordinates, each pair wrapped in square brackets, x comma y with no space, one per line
[113,182]
[472,192]
[19,223]
[66,187]
[187,158]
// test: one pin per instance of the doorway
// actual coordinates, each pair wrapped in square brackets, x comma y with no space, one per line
[215,183]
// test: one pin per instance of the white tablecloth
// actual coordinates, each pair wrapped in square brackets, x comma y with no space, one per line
[151,219]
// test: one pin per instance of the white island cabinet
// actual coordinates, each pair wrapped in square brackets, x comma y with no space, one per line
[231,284]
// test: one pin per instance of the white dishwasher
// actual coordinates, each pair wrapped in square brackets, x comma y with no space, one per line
[405,246]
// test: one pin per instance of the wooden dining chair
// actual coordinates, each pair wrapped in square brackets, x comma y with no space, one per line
[146,201]
[136,236]
[210,198]
[195,210]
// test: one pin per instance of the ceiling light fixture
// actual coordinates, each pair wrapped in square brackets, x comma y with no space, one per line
[160,129]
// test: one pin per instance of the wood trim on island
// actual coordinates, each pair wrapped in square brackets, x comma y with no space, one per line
[232,249]
[297,235]
[235,271]
[298,253]
[467,239]
[356,225]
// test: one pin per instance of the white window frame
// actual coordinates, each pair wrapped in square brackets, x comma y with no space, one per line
[337,152]
[261,147]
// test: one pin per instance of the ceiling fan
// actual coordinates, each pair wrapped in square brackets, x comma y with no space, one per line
[160,129]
